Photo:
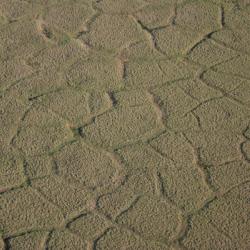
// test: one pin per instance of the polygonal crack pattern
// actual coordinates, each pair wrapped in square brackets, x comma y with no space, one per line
[124,124]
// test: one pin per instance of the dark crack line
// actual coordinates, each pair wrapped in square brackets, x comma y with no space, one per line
[152,37]
[222,14]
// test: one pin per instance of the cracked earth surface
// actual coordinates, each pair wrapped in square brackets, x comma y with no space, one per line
[124,124]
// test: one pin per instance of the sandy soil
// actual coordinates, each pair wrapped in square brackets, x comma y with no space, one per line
[124,124]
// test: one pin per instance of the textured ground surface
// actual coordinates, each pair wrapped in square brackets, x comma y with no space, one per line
[124,124]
